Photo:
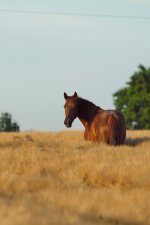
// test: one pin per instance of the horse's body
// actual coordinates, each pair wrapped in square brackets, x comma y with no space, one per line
[107,126]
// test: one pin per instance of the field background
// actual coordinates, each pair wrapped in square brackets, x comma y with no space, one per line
[58,178]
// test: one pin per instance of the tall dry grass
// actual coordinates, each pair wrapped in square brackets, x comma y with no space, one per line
[58,178]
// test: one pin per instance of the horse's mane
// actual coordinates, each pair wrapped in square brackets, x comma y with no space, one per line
[87,109]
[88,105]
[86,102]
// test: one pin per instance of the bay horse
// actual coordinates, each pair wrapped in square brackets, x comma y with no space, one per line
[107,126]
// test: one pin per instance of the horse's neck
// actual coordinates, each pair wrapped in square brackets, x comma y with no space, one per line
[86,111]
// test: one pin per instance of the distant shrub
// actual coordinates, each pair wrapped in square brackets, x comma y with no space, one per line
[6,123]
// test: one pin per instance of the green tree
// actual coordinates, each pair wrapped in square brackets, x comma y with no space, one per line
[6,123]
[134,100]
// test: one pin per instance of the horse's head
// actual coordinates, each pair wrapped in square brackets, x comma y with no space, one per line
[71,108]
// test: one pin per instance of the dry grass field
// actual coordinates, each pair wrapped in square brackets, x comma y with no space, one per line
[58,178]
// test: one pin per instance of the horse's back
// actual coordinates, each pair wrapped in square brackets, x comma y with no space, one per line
[110,127]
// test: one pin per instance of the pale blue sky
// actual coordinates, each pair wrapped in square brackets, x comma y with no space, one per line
[42,55]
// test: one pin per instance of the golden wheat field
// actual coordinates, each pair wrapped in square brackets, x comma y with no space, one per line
[58,178]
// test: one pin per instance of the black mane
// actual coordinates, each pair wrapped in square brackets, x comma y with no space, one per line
[87,109]
[86,102]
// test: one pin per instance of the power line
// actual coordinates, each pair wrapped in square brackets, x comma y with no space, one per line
[75,14]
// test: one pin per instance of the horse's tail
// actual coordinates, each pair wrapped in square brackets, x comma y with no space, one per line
[112,123]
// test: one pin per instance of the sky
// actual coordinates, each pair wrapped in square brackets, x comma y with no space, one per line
[44,54]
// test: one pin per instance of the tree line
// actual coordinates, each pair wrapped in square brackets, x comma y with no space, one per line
[7,124]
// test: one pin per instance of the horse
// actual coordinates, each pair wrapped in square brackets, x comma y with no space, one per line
[102,126]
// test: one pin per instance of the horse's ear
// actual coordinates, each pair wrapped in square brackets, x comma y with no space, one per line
[75,95]
[65,95]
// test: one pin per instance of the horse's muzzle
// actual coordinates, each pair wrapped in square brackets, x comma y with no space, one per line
[68,123]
